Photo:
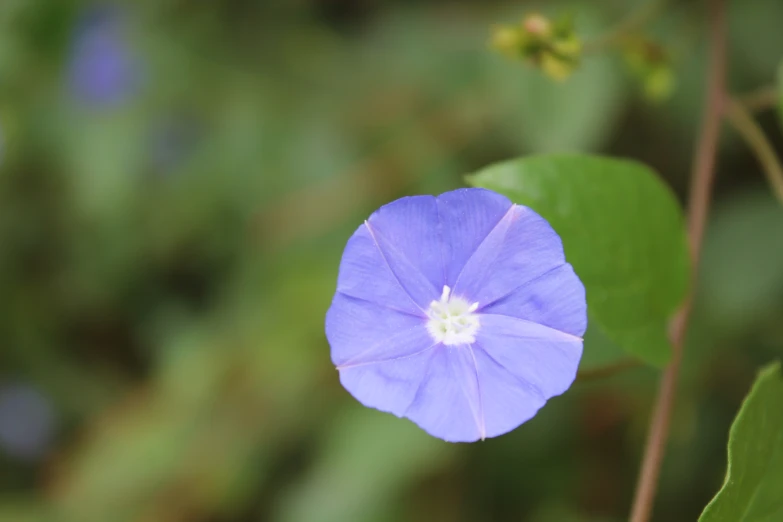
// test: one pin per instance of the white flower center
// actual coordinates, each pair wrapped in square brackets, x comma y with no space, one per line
[452,321]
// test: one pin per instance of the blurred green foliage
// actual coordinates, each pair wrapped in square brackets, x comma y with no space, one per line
[166,259]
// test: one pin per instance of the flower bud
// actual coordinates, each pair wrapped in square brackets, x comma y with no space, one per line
[551,46]
[651,64]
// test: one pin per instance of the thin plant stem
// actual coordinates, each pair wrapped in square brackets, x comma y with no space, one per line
[742,120]
[631,23]
[704,162]
[761,99]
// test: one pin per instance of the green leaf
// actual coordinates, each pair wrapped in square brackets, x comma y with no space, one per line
[599,350]
[752,489]
[622,230]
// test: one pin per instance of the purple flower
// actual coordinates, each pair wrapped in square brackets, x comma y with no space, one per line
[102,69]
[458,312]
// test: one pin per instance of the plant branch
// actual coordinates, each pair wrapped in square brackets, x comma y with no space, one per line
[761,99]
[705,158]
[742,120]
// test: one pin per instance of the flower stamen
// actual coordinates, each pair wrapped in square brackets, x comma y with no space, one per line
[452,320]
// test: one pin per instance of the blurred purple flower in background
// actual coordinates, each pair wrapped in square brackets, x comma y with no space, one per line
[458,312]
[27,422]
[103,69]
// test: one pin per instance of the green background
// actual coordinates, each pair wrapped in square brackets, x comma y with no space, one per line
[166,262]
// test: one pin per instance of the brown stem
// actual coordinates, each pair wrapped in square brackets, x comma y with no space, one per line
[701,183]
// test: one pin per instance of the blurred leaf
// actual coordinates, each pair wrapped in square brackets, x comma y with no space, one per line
[752,490]
[622,230]
[740,277]
[144,447]
[755,38]
[105,154]
[574,115]
[369,458]
[438,50]
[22,510]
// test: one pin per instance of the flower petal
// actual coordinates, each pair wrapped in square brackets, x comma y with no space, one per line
[555,299]
[406,233]
[539,357]
[466,217]
[362,332]
[522,247]
[506,402]
[447,404]
[365,274]
[389,385]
